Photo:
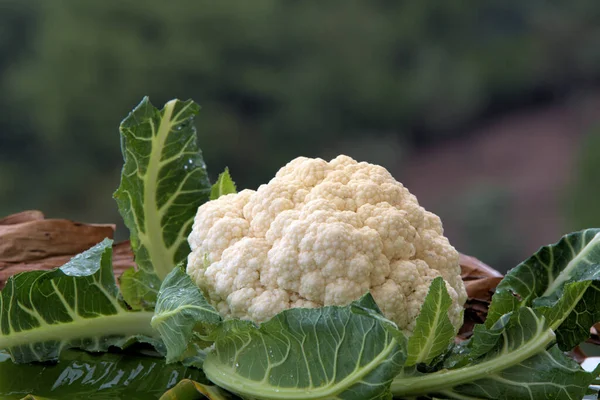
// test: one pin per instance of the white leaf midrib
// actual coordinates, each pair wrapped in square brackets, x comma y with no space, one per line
[160,256]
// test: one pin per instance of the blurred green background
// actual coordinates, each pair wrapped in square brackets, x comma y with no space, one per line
[488,111]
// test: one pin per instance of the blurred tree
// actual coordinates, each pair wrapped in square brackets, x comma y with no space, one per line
[482,226]
[275,79]
[583,205]
[18,142]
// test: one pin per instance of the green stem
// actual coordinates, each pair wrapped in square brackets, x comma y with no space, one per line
[445,379]
[123,323]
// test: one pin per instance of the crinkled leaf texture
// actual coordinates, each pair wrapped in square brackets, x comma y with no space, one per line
[163,183]
[139,288]
[350,352]
[542,307]
[562,282]
[81,376]
[182,313]
[224,185]
[324,353]
[522,364]
[45,312]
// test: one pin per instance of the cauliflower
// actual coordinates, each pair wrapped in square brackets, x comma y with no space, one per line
[322,233]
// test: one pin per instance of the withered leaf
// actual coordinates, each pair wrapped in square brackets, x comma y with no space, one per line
[29,242]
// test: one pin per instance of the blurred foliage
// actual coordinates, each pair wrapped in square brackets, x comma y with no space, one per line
[275,79]
[584,198]
[481,224]
[488,232]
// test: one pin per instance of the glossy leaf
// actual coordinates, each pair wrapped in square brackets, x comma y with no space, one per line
[324,353]
[163,182]
[45,312]
[80,375]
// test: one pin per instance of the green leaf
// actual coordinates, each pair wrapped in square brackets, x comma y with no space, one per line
[547,375]
[163,183]
[324,353]
[484,339]
[77,305]
[519,366]
[187,389]
[80,375]
[180,311]
[562,282]
[139,288]
[224,185]
[433,331]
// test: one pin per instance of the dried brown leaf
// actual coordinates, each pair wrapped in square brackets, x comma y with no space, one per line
[34,240]
[24,216]
[30,242]
[473,268]
[482,289]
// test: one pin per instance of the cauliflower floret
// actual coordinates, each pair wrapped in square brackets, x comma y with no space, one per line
[322,233]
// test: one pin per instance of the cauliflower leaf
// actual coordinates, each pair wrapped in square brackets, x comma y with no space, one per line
[224,185]
[45,312]
[562,281]
[83,376]
[523,364]
[325,353]
[433,330]
[182,311]
[163,182]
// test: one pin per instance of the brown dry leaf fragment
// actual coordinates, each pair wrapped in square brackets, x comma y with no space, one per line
[578,354]
[122,257]
[482,289]
[480,282]
[24,216]
[480,279]
[473,268]
[594,335]
[122,260]
[30,242]
[475,313]
[34,240]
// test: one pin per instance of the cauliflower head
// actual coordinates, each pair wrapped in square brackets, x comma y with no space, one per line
[322,233]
